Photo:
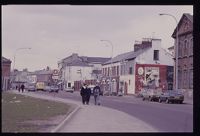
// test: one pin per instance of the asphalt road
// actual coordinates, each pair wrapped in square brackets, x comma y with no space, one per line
[164,117]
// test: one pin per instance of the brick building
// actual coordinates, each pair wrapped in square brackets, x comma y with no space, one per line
[185,53]
[6,68]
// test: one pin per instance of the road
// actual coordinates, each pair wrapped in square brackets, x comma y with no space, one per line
[164,117]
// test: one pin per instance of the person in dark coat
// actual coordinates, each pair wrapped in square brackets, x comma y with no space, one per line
[84,93]
[19,87]
[22,87]
[88,95]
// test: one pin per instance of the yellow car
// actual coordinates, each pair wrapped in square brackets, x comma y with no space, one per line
[40,86]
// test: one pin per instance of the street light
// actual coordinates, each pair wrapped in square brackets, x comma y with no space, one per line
[111,61]
[15,54]
[176,50]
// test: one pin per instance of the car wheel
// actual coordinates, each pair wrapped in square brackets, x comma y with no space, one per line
[143,98]
[159,100]
[167,101]
[150,99]
[181,102]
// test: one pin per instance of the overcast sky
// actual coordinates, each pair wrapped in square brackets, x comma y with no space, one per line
[54,32]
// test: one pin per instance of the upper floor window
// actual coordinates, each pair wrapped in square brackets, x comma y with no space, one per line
[185,48]
[156,55]
[130,70]
[180,49]
[117,70]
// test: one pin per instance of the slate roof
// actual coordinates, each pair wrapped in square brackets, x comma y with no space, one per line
[126,56]
[78,63]
[43,72]
[190,17]
[5,60]
[172,47]
[97,59]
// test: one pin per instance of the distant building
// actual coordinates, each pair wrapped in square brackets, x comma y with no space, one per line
[43,76]
[185,53]
[18,77]
[6,69]
[123,69]
[76,69]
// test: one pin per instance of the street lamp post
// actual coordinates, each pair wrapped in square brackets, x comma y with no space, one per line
[176,50]
[111,63]
[15,55]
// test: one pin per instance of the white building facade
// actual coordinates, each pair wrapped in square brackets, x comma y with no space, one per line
[124,65]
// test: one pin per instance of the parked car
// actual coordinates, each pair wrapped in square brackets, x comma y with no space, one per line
[171,96]
[47,88]
[140,94]
[71,90]
[54,88]
[40,85]
[151,95]
[31,87]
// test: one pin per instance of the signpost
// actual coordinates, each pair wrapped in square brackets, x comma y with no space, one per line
[55,75]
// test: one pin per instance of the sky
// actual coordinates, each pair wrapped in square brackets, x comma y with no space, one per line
[54,32]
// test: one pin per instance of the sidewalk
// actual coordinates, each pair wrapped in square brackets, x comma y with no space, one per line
[92,118]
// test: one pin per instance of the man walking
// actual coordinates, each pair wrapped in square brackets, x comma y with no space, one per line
[88,95]
[97,91]
[22,87]
[19,88]
[83,93]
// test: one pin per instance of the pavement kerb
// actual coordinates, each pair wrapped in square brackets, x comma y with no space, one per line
[66,119]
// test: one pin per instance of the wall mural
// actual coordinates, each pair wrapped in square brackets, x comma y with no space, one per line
[151,77]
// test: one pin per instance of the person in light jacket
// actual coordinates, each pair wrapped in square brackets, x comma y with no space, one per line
[97,92]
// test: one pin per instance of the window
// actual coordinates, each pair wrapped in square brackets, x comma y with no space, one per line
[179,49]
[156,55]
[114,71]
[69,84]
[123,69]
[179,79]
[130,70]
[185,79]
[117,70]
[185,47]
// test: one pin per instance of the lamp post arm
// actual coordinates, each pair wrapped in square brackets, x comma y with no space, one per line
[176,50]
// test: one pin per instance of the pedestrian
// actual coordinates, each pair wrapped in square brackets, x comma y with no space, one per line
[84,93]
[22,87]
[96,92]
[19,88]
[88,90]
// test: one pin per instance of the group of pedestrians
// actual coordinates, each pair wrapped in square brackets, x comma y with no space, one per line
[86,93]
[20,87]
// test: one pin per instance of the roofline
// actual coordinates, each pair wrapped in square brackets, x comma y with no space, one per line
[184,14]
